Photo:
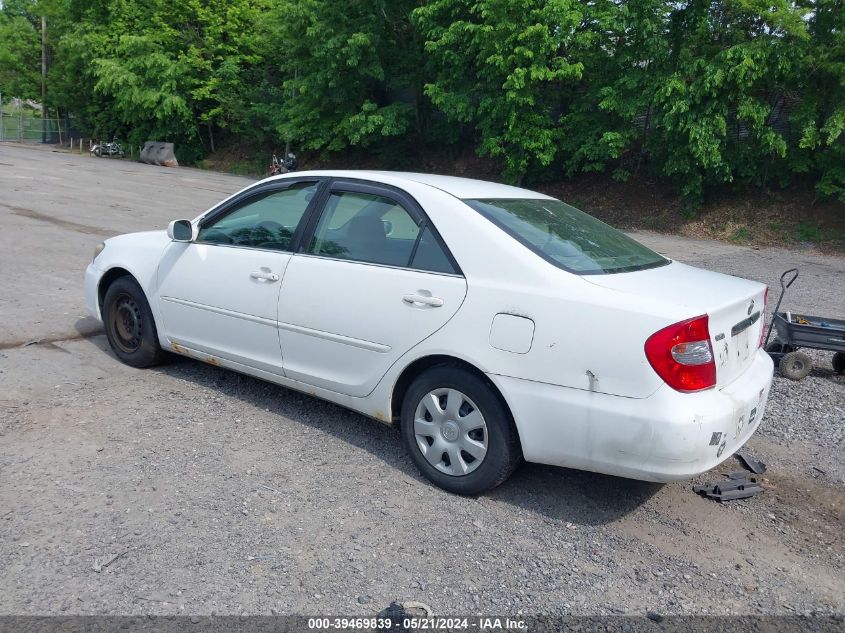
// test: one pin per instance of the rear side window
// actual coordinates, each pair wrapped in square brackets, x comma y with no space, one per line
[374,229]
[567,237]
[430,256]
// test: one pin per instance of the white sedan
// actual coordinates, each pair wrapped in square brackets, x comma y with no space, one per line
[490,323]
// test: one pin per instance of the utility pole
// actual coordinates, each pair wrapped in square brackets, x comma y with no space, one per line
[292,95]
[43,79]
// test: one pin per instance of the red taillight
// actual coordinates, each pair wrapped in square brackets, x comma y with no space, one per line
[763,317]
[682,355]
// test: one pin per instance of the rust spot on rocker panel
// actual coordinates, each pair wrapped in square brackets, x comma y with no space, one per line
[384,419]
[179,349]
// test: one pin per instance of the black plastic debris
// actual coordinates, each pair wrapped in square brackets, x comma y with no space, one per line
[740,485]
[400,612]
[752,464]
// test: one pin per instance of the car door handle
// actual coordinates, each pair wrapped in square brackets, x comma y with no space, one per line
[262,275]
[434,302]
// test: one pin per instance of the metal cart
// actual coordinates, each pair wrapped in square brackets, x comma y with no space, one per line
[796,331]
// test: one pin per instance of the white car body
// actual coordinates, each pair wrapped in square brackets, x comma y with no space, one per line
[564,350]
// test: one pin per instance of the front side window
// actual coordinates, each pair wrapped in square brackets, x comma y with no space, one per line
[567,237]
[267,220]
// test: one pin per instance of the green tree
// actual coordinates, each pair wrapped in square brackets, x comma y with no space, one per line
[160,70]
[350,71]
[499,66]
[20,52]
[703,93]
[608,118]
[730,62]
[820,113]
[694,91]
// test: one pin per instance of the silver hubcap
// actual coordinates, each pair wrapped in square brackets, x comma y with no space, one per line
[450,432]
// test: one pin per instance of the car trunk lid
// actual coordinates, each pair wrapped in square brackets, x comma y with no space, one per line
[735,307]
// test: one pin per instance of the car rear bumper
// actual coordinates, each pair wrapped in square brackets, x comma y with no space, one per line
[664,437]
[92,300]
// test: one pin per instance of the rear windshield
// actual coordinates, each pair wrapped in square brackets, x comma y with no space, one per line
[567,237]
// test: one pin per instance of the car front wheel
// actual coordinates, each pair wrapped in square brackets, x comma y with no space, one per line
[458,432]
[129,324]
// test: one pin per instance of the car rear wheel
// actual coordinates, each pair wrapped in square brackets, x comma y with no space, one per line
[796,365]
[129,324]
[458,432]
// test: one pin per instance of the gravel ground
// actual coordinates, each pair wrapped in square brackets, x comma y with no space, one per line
[218,493]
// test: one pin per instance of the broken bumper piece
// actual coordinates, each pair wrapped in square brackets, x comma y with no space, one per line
[738,486]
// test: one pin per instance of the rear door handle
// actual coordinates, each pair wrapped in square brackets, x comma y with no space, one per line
[264,275]
[434,302]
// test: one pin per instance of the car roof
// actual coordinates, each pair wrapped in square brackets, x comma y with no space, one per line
[463,188]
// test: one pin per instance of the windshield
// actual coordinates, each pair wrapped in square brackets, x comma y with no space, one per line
[567,237]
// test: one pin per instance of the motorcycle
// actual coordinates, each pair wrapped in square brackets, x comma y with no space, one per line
[108,149]
[283,165]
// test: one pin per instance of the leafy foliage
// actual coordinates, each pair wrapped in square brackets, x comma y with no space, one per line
[350,71]
[820,115]
[20,53]
[498,66]
[158,69]
[705,93]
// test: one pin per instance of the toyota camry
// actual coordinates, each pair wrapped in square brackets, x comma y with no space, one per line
[490,323]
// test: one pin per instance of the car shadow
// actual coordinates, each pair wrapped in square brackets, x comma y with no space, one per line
[575,496]
[560,494]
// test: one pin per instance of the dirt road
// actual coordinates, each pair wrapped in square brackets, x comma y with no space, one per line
[189,489]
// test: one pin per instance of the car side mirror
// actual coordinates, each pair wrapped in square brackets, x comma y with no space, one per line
[180,231]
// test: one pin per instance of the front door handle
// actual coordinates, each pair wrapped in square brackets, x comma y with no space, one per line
[434,302]
[264,275]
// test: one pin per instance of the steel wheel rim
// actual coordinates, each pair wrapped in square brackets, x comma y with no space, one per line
[797,365]
[450,432]
[126,323]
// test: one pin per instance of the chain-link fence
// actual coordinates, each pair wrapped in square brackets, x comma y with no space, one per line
[21,121]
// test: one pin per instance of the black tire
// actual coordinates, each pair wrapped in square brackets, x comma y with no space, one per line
[503,452]
[838,362]
[796,365]
[129,324]
[98,152]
